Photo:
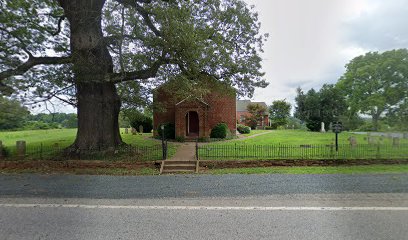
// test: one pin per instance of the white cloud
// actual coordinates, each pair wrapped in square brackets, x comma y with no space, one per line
[311,41]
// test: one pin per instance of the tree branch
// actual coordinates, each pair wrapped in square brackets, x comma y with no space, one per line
[142,12]
[141,74]
[31,62]
[61,18]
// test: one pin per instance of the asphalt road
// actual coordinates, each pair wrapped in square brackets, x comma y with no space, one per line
[204,207]
[114,187]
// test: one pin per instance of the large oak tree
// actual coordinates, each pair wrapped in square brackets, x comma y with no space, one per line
[79,51]
[376,84]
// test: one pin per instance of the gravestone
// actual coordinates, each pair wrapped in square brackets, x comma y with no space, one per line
[396,142]
[405,135]
[370,140]
[353,141]
[126,130]
[322,129]
[389,135]
[140,129]
[21,149]
[133,131]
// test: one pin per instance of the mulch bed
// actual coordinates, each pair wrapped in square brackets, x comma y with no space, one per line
[219,164]
[70,165]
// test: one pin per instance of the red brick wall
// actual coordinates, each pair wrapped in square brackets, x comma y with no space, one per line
[164,111]
[220,108]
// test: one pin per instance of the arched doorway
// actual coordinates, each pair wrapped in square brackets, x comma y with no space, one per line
[192,124]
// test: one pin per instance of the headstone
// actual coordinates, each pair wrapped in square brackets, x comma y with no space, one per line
[322,129]
[140,129]
[396,142]
[126,130]
[21,148]
[353,141]
[389,135]
[370,140]
[405,135]
[133,131]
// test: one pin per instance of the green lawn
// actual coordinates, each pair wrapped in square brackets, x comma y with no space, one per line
[297,144]
[315,170]
[298,137]
[49,140]
[254,132]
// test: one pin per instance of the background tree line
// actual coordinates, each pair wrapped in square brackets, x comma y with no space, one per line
[374,86]
[15,116]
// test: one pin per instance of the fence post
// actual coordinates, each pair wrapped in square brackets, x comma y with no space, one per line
[21,149]
[166,149]
[235,151]
[41,151]
[196,148]
[378,151]
[1,150]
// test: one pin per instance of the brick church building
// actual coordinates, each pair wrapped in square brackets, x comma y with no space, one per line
[194,116]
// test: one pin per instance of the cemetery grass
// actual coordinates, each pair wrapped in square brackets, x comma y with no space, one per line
[302,137]
[254,132]
[65,137]
[285,144]
[364,169]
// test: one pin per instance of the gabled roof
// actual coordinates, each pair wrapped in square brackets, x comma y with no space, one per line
[194,98]
[243,104]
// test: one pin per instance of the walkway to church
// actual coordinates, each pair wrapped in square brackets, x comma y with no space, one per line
[185,152]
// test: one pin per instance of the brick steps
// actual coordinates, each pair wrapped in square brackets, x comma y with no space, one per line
[178,166]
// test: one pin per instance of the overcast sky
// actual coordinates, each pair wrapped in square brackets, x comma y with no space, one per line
[311,40]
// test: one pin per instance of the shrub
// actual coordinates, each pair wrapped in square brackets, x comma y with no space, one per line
[313,125]
[274,125]
[139,119]
[243,129]
[219,131]
[5,152]
[203,139]
[169,130]
[268,128]
[180,139]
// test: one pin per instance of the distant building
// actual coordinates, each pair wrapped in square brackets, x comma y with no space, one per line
[243,114]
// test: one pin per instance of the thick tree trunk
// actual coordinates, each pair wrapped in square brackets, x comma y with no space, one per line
[98,101]
[98,111]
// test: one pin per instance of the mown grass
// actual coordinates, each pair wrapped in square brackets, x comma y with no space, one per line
[297,144]
[254,132]
[298,137]
[373,169]
[65,137]
[52,140]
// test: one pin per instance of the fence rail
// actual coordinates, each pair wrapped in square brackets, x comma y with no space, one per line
[284,151]
[128,153]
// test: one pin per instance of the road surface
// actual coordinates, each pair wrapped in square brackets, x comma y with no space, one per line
[204,207]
